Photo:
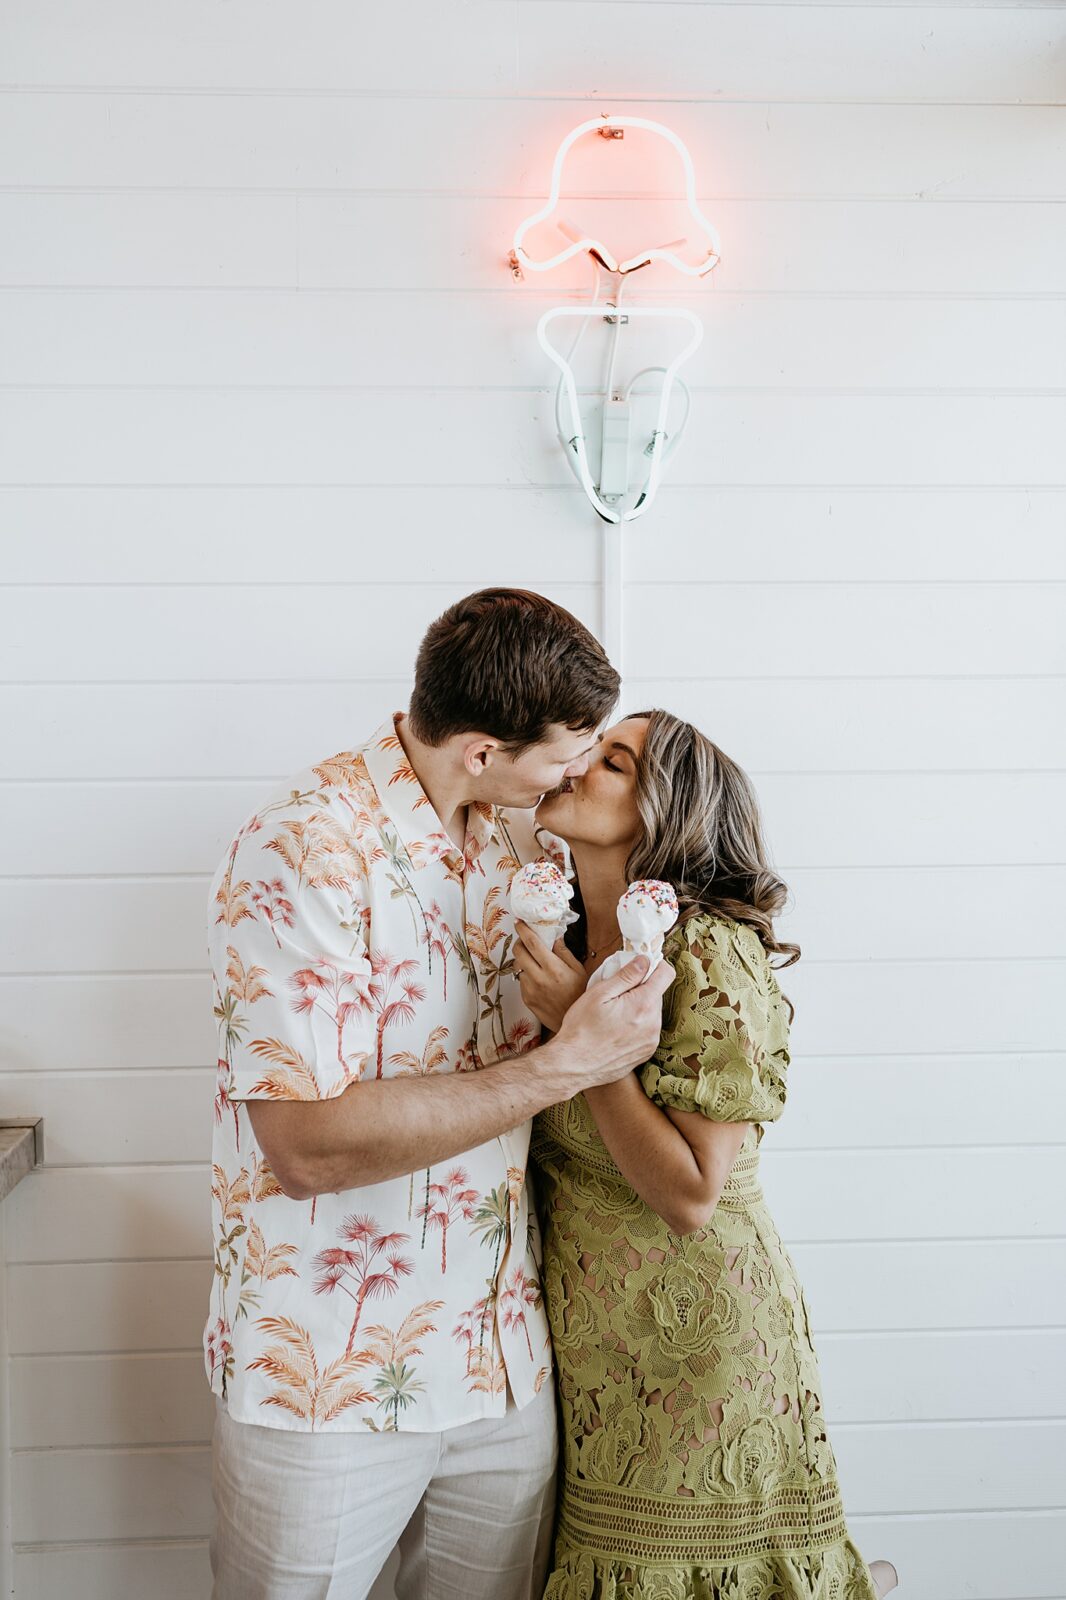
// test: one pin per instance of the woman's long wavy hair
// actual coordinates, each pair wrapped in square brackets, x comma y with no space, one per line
[702,832]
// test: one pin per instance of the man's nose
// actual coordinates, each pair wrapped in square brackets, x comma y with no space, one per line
[577,769]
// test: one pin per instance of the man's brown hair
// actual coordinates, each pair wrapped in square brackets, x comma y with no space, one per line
[509,663]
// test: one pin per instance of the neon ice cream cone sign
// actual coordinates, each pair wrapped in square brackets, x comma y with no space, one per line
[614,498]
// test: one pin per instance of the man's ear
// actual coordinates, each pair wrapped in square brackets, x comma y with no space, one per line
[478,755]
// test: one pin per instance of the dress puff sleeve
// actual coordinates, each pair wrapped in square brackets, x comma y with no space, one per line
[724,1045]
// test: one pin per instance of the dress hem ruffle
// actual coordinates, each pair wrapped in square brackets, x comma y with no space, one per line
[836,1573]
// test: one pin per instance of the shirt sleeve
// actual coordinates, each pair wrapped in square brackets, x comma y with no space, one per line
[292,976]
[724,1046]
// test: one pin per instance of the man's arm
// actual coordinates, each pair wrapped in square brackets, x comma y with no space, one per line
[389,1127]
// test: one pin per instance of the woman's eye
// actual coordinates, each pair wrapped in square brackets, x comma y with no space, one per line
[611,765]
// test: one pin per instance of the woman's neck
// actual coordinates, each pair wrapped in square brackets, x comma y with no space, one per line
[602,876]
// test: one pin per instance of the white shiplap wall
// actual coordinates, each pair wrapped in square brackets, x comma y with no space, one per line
[255,435]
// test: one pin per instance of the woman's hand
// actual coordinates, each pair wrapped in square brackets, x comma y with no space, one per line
[551,979]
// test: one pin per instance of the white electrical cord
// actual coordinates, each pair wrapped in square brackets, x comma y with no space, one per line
[612,582]
[672,441]
[569,445]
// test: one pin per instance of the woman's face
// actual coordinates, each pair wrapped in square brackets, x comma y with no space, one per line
[600,808]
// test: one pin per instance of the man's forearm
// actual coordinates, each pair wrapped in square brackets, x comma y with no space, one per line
[388,1127]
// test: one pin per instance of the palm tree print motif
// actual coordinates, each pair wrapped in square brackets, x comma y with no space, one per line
[402,772]
[263,1183]
[433,1056]
[291,1078]
[318,850]
[523,1036]
[468,1059]
[492,1220]
[358,1272]
[489,1377]
[370,815]
[342,992]
[466,1330]
[231,896]
[519,1293]
[307,1393]
[439,941]
[273,906]
[218,1348]
[262,1264]
[230,1197]
[243,986]
[392,1012]
[402,887]
[392,1349]
[482,941]
[348,769]
[231,899]
[445,1203]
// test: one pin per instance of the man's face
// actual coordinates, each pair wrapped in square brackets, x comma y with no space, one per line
[523,781]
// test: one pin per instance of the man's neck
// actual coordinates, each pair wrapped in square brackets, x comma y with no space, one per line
[448,795]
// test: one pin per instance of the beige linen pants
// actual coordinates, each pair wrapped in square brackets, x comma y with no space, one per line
[305,1516]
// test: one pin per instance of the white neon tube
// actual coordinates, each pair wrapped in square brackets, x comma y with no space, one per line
[596,247]
[647,494]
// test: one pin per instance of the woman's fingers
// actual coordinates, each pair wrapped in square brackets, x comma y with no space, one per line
[537,952]
[567,957]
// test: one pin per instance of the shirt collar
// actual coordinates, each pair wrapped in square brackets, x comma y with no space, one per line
[410,810]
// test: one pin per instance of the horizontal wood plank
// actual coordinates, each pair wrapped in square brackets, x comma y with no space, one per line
[182,239]
[266,436]
[322,631]
[122,1306]
[312,143]
[227,534]
[292,340]
[651,49]
[786,52]
[178,1570]
[101,1119]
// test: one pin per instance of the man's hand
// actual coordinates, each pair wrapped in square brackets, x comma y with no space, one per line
[615,1025]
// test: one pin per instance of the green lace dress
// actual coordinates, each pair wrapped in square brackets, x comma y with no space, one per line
[695,1459]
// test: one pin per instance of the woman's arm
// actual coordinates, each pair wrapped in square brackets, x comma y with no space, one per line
[677,1161]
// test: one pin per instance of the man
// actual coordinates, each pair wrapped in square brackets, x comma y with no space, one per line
[376,1340]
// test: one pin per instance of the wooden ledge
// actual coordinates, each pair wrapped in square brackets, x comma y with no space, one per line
[21,1149]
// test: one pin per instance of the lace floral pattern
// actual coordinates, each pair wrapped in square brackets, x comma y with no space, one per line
[696,1464]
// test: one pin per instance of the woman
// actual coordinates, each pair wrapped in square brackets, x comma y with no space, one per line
[695,1459]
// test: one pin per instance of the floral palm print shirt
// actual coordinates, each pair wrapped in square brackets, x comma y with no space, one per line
[352,939]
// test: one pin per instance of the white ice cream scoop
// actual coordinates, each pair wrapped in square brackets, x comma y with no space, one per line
[646,913]
[540,896]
